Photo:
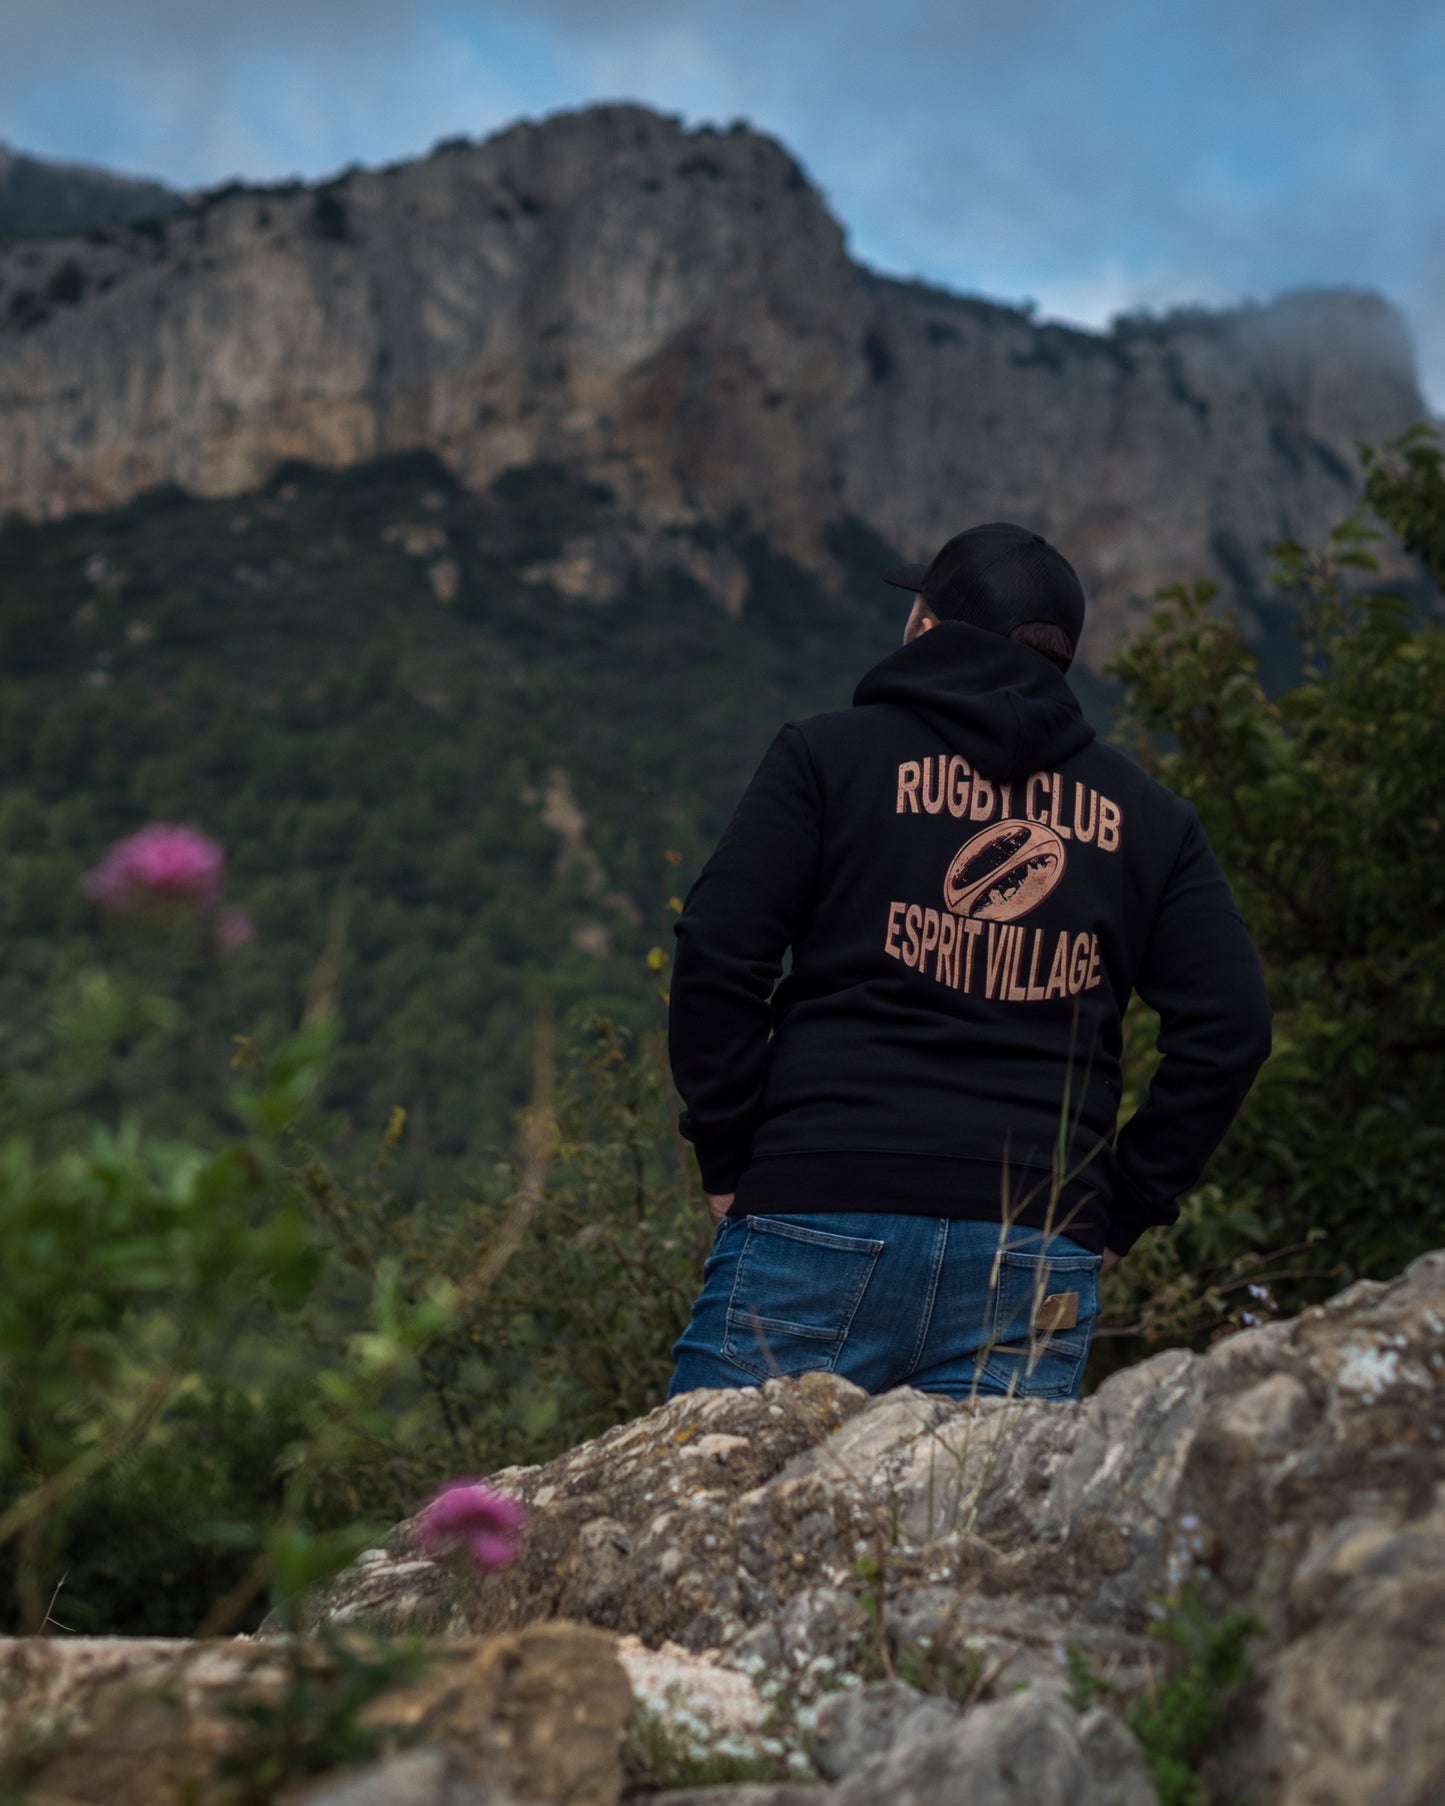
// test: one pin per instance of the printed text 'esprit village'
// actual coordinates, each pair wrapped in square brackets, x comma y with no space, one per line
[1001,872]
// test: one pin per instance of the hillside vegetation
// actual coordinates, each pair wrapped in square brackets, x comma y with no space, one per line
[475,803]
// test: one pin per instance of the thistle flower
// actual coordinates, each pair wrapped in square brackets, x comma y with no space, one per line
[168,877]
[164,862]
[468,1514]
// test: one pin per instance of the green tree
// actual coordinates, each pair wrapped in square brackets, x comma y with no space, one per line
[1326,806]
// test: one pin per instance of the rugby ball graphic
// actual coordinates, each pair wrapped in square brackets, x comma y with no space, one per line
[1004,872]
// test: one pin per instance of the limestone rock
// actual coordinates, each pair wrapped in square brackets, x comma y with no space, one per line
[539,1715]
[1027,1748]
[726,1700]
[674,313]
[751,1558]
[1295,1471]
[393,1589]
[113,1722]
[1353,1707]
[854,1728]
[1113,1759]
[636,1531]
[542,1710]
[598,567]
[757,1793]
[425,1777]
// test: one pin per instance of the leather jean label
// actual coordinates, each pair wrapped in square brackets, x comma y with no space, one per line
[1060,1310]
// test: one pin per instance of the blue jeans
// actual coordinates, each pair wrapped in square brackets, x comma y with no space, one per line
[938,1303]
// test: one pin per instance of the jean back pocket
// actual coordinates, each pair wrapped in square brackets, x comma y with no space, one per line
[1045,1307]
[794,1296]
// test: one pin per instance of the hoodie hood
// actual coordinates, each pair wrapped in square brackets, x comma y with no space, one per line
[1005,707]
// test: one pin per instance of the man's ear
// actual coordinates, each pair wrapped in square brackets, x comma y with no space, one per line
[918,622]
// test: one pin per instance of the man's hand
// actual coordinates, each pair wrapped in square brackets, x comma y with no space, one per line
[1110,1260]
[717,1204]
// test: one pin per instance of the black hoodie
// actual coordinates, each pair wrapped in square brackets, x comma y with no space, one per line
[971,885]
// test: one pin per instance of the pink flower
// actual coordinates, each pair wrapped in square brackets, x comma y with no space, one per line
[164,862]
[468,1514]
[234,927]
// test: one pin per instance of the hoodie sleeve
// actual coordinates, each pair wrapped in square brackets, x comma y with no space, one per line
[748,904]
[1201,973]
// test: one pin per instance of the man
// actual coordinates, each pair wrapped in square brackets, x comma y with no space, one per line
[909,1146]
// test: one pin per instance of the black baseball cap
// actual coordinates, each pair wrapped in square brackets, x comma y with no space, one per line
[998,576]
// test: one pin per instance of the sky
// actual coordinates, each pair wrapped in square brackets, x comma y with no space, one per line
[1091,158]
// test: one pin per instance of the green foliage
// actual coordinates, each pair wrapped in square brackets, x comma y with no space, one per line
[1405,485]
[120,1252]
[40,198]
[1178,1719]
[1087,1686]
[569,1288]
[1324,805]
[66,286]
[548,507]
[607,1276]
[174,1523]
[1177,1723]
[385,1346]
[874,1654]
[131,1259]
[955,1675]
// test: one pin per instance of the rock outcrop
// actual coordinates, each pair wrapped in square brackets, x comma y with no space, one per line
[675,313]
[831,1599]
[537,1716]
[1294,1472]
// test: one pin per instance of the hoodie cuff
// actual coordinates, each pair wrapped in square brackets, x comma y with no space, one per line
[1122,1236]
[722,1161]
[1127,1223]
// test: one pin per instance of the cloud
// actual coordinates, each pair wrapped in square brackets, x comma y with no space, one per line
[197,93]
[1091,157]
[1116,156]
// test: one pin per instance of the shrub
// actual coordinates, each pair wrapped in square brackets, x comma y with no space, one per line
[1324,805]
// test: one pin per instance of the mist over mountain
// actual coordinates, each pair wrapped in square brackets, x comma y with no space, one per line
[39,197]
[675,313]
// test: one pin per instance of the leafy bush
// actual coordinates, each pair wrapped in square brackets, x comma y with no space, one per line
[1324,805]
[217,1369]
[1177,1723]
[571,1287]
[66,286]
[121,1250]
[130,1261]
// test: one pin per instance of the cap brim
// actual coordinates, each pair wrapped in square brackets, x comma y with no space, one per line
[907,576]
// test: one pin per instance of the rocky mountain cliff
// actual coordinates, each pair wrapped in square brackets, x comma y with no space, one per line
[675,313]
[39,196]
